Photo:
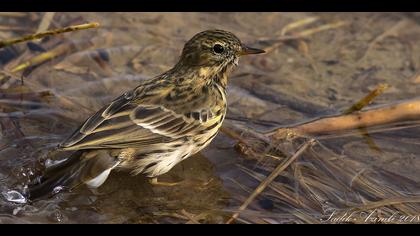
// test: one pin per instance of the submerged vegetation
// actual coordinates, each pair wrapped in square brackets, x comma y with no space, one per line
[322,128]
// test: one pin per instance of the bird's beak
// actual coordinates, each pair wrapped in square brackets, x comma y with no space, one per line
[247,50]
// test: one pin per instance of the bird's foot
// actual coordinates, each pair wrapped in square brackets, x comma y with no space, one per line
[154,181]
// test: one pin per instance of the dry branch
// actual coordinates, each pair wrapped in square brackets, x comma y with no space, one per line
[14,28]
[387,202]
[45,23]
[297,24]
[280,168]
[309,32]
[300,35]
[5,43]
[13,14]
[367,99]
[43,57]
[403,111]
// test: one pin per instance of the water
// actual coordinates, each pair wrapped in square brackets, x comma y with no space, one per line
[15,197]
[293,83]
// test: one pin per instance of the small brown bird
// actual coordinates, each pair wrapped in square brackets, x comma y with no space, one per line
[156,125]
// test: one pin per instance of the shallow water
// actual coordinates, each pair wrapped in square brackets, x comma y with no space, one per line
[295,82]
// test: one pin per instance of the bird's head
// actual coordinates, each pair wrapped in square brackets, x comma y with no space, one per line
[215,50]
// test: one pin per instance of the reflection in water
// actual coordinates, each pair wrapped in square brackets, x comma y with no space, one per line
[14,196]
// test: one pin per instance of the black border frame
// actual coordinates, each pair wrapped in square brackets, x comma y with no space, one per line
[210,5]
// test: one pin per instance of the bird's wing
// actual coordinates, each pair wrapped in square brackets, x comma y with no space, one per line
[126,123]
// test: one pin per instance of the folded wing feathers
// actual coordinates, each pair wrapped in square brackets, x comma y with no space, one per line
[162,120]
[124,120]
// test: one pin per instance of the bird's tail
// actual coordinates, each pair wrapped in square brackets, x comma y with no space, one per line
[81,167]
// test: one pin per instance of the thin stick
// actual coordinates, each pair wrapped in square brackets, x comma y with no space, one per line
[301,35]
[391,31]
[297,24]
[13,14]
[13,28]
[45,23]
[45,56]
[280,168]
[387,202]
[232,134]
[190,216]
[48,33]
[403,111]
[371,131]
[308,32]
[367,99]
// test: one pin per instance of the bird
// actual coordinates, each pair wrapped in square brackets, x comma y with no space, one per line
[151,128]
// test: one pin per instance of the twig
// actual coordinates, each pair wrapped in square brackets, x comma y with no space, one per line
[301,35]
[309,32]
[391,31]
[297,24]
[13,14]
[47,33]
[403,111]
[45,23]
[245,137]
[387,202]
[398,126]
[13,28]
[190,216]
[280,168]
[43,57]
[233,134]
[10,124]
[273,187]
[367,99]
[38,59]
[359,106]
[304,49]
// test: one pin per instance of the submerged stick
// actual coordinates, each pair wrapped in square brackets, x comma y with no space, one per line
[360,105]
[4,43]
[300,35]
[13,28]
[386,202]
[45,23]
[280,168]
[308,32]
[297,24]
[13,14]
[38,59]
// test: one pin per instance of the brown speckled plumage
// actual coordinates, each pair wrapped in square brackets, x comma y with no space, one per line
[162,121]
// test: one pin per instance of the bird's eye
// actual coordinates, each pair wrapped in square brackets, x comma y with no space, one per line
[217,48]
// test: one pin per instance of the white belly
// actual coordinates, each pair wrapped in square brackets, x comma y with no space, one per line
[157,164]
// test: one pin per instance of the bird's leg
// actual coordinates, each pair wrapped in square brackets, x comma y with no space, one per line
[154,181]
